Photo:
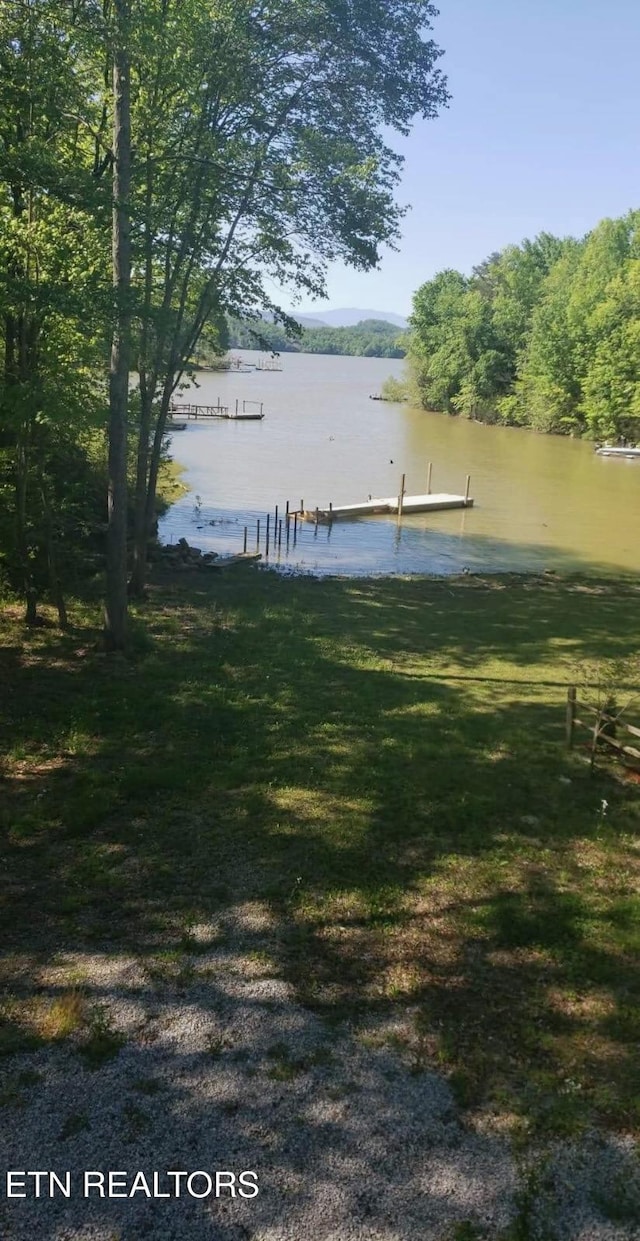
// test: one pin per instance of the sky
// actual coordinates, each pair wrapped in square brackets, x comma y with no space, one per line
[542,133]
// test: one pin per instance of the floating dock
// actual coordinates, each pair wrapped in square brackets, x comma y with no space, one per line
[429,502]
[369,508]
[629,453]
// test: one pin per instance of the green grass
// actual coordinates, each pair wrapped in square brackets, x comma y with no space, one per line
[380,767]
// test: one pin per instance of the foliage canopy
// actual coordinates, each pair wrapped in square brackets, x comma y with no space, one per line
[544,334]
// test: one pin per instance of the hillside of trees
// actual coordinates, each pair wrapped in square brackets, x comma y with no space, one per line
[545,334]
[371,338]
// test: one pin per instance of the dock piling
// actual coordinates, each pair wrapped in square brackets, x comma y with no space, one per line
[267,534]
[245,540]
[401,495]
[466,490]
[258,533]
[429,470]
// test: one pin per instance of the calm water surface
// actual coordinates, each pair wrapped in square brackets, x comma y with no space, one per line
[540,501]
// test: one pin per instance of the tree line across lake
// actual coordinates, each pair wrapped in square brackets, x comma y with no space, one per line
[370,338]
[545,334]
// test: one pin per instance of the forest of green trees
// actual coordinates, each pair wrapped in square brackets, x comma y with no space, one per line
[165,164]
[545,334]
[371,338]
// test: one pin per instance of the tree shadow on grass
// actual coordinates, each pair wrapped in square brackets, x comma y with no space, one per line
[272,745]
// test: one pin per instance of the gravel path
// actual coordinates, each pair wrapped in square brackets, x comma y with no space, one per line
[225,1071]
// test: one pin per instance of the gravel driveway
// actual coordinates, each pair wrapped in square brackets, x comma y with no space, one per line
[224,1071]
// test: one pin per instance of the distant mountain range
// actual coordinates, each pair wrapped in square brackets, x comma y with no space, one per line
[347,317]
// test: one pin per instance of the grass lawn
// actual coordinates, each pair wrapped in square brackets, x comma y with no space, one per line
[382,764]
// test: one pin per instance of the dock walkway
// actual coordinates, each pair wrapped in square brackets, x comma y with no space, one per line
[190,411]
[428,503]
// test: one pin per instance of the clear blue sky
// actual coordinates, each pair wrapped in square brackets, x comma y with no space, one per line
[542,133]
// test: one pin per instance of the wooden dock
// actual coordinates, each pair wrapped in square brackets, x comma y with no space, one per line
[428,502]
[195,412]
[369,508]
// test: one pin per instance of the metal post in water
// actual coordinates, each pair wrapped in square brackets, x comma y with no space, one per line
[267,534]
[275,524]
[466,491]
[429,478]
[280,533]
[258,534]
[245,540]
[401,496]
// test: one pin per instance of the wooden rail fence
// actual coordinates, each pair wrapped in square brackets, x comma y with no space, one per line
[605,726]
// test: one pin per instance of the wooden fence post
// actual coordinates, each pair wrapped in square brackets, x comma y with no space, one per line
[571,715]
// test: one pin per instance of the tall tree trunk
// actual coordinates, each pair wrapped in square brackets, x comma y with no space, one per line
[55,583]
[22,538]
[116,593]
[140,530]
[156,454]
[148,381]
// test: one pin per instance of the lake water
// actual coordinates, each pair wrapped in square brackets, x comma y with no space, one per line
[541,502]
